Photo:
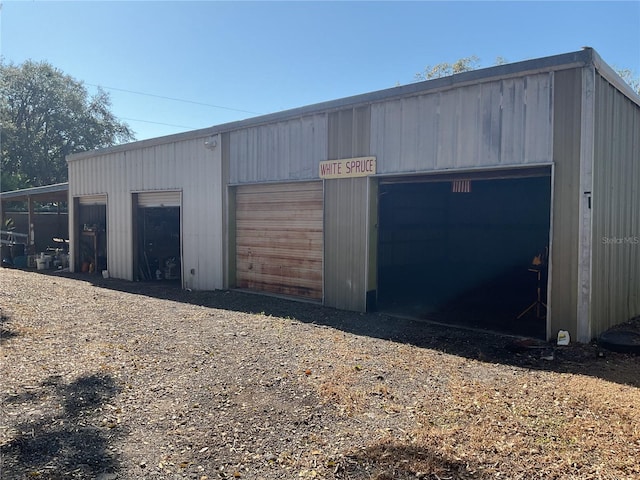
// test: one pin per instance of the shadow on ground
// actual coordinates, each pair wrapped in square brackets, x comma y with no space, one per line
[474,344]
[5,333]
[59,437]
[400,462]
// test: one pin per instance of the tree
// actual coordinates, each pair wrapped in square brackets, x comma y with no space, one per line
[445,69]
[46,115]
[467,64]
[629,76]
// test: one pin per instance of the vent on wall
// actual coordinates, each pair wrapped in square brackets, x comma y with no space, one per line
[461,186]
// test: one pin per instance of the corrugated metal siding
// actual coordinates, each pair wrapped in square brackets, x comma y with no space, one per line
[159,199]
[349,133]
[346,237]
[186,166]
[563,297]
[288,150]
[505,122]
[279,238]
[202,216]
[616,209]
[92,199]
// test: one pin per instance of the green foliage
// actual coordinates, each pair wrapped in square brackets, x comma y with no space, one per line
[446,69]
[11,181]
[630,77]
[467,64]
[45,116]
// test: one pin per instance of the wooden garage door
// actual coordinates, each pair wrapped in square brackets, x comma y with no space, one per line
[279,238]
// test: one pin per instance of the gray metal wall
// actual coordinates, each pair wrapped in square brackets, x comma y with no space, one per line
[616,209]
[286,150]
[563,297]
[501,122]
[346,215]
[345,246]
[187,166]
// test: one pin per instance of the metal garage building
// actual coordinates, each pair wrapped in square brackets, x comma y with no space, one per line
[416,195]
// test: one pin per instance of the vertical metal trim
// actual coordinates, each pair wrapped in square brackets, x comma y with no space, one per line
[585,218]
[367,246]
[550,256]
[183,284]
[226,205]
[107,228]
[324,239]
[552,106]
[135,239]
[74,235]
[231,254]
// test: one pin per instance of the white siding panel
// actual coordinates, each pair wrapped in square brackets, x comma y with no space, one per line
[164,198]
[469,125]
[448,130]
[92,200]
[202,233]
[504,122]
[288,150]
[513,119]
[119,237]
[428,134]
[616,216]
[538,124]
[490,107]
[410,142]
[390,135]
[185,165]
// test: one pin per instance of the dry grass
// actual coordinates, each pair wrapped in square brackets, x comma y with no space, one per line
[517,424]
[101,383]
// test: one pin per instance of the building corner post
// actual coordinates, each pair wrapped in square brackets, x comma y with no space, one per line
[585,248]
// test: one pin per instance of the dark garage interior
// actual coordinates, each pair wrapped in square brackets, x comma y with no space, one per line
[158,239]
[93,238]
[465,257]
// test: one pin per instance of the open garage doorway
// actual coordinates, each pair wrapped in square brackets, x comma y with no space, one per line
[463,250]
[158,234]
[90,233]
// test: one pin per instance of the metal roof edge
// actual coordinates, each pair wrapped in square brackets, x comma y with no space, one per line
[56,187]
[149,142]
[609,74]
[556,62]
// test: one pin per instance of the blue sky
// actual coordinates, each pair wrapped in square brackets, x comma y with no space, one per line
[247,58]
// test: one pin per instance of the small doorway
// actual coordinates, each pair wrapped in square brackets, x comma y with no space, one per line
[91,233]
[157,231]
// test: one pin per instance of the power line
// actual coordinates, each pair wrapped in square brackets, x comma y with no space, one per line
[158,123]
[172,98]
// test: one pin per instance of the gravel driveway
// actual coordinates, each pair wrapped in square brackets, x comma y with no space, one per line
[118,380]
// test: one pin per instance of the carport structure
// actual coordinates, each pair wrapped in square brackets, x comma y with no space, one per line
[35,229]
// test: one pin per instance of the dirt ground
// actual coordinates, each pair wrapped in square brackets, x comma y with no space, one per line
[104,379]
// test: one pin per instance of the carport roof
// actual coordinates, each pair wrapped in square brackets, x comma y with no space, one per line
[45,193]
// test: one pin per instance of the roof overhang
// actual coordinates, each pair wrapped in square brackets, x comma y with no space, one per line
[58,192]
